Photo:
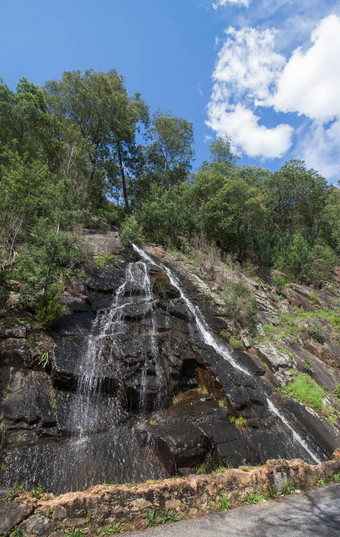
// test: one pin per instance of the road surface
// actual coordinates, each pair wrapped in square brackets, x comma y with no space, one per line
[313,514]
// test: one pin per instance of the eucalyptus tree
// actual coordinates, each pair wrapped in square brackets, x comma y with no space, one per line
[106,119]
[170,151]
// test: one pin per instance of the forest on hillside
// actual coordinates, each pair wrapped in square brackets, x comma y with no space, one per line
[82,152]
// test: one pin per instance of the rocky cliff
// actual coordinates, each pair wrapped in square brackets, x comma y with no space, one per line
[127,385]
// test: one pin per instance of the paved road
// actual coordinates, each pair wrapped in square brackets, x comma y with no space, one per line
[314,514]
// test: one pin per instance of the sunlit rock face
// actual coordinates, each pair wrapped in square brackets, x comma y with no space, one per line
[136,390]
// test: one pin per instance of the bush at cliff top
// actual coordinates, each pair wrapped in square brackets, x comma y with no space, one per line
[307,391]
[131,231]
[241,305]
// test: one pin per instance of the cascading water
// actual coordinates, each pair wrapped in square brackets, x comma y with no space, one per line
[115,372]
[221,349]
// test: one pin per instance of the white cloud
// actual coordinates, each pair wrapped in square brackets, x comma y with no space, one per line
[246,70]
[248,64]
[221,3]
[310,81]
[242,125]
[250,73]
[320,149]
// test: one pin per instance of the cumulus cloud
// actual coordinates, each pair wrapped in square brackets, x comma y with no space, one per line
[221,3]
[246,71]
[319,148]
[247,63]
[243,127]
[250,73]
[310,81]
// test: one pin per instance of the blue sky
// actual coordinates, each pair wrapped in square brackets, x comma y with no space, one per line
[266,73]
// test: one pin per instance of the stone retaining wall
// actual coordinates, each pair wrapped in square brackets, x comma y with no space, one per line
[129,507]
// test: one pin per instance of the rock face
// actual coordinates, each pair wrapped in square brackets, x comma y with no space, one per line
[137,389]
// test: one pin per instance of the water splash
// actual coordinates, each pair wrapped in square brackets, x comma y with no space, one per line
[221,349]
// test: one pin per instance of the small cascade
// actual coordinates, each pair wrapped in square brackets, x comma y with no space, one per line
[221,349]
[104,353]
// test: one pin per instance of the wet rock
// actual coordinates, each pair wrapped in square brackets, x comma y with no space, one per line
[249,362]
[74,324]
[12,514]
[16,352]
[75,304]
[322,437]
[182,445]
[29,398]
[105,280]
[82,462]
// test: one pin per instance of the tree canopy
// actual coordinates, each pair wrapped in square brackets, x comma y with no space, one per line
[82,146]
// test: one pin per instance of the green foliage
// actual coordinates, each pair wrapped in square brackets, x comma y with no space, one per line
[116,527]
[47,311]
[153,519]
[4,290]
[306,391]
[106,258]
[235,343]
[250,497]
[336,478]
[323,262]
[3,425]
[131,231]
[315,331]
[238,421]
[279,282]
[241,305]
[289,487]
[14,533]
[295,258]
[337,391]
[201,468]
[69,149]
[168,216]
[170,152]
[6,391]
[10,496]
[321,482]
[225,503]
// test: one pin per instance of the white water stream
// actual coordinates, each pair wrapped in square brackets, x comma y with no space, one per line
[221,349]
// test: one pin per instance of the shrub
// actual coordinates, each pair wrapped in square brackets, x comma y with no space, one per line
[241,305]
[307,391]
[295,258]
[315,331]
[131,231]
[323,262]
[239,421]
[337,391]
[106,258]
[48,307]
[4,291]
[209,262]
[279,282]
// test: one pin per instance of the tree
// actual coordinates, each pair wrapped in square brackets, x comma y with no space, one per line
[106,118]
[296,198]
[170,153]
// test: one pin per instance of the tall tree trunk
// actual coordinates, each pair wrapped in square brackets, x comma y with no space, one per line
[122,175]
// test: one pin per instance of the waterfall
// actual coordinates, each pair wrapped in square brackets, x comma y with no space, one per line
[221,349]
[104,348]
